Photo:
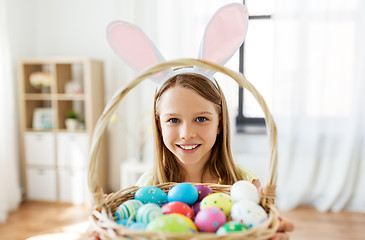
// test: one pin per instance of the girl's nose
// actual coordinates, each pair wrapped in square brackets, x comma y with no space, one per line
[187,131]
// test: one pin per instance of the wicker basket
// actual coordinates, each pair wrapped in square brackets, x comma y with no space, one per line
[102,221]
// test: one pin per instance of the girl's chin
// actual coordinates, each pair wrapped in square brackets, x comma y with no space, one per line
[188,162]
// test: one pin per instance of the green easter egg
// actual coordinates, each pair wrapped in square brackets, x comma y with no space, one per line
[170,223]
[231,227]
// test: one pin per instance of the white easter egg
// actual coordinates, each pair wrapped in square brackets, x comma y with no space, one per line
[244,190]
[249,213]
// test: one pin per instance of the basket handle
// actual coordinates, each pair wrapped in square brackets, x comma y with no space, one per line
[94,186]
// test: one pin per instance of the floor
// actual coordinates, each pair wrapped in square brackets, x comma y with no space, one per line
[46,221]
[53,221]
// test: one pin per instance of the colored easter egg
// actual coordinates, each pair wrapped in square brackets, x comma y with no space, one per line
[219,200]
[249,213]
[170,223]
[183,192]
[151,194]
[210,219]
[244,190]
[196,208]
[231,227]
[138,226]
[125,222]
[148,212]
[128,209]
[203,191]
[178,207]
[191,224]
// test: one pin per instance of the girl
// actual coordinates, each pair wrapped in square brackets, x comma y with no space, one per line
[191,133]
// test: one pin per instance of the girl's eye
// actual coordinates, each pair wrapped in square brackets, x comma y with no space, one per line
[173,120]
[201,119]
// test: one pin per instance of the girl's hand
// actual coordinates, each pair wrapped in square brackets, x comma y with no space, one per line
[284,227]
[285,224]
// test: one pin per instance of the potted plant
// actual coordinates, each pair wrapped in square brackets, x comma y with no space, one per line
[81,123]
[71,120]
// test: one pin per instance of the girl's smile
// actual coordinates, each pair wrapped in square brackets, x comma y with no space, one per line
[189,147]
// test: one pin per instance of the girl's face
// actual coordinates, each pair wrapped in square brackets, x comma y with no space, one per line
[189,124]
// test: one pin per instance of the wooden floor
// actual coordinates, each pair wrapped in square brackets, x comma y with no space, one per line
[52,221]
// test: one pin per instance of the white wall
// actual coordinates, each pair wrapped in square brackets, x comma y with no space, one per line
[77,28]
[41,28]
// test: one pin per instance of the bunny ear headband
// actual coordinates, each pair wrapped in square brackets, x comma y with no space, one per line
[224,34]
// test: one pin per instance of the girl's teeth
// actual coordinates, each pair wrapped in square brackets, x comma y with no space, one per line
[188,147]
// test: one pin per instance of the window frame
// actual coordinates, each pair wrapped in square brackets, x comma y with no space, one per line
[251,125]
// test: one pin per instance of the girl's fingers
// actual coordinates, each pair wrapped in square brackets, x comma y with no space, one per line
[280,236]
[285,225]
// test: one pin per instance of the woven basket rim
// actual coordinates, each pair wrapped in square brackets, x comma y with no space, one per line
[102,220]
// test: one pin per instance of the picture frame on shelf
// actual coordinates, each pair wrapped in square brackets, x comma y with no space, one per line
[43,118]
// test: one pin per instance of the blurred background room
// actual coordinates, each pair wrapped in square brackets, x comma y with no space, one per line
[306,58]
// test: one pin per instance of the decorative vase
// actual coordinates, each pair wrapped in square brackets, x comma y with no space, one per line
[45,89]
[71,124]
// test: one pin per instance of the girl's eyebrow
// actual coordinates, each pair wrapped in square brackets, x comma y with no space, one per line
[170,114]
[198,113]
[203,113]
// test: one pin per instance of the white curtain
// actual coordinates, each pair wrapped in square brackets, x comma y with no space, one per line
[9,174]
[319,103]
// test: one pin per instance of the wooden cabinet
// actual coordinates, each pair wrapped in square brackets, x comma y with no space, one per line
[73,185]
[40,148]
[41,183]
[72,149]
[54,157]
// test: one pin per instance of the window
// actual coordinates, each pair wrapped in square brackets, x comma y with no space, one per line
[256,63]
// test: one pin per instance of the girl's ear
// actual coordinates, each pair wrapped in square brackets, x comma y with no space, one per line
[132,45]
[158,124]
[224,34]
[220,126]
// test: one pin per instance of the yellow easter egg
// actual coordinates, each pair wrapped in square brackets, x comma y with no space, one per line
[191,224]
[220,200]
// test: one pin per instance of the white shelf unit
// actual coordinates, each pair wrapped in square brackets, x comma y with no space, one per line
[55,159]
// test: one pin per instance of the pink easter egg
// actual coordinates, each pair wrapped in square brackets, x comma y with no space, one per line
[210,219]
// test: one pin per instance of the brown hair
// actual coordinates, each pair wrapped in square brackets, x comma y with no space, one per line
[221,164]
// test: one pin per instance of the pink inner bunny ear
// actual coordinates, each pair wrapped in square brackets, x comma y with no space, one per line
[132,45]
[225,33]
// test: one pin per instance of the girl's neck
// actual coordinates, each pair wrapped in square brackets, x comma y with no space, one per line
[194,174]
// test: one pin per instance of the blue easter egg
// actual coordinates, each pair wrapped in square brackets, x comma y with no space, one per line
[183,192]
[138,226]
[151,194]
[125,222]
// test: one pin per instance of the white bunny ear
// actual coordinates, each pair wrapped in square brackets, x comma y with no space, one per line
[131,44]
[224,34]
